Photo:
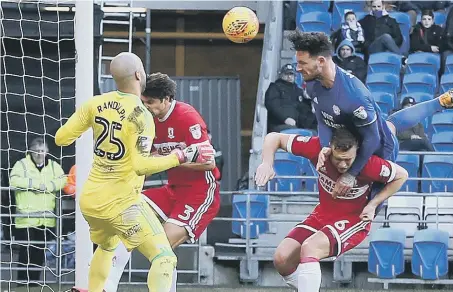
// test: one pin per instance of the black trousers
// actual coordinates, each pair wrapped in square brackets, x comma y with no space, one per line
[33,254]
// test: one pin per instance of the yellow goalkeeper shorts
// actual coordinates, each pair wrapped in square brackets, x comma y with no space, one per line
[133,226]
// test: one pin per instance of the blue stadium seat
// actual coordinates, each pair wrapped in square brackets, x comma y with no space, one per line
[419,82]
[404,22]
[316,22]
[258,209]
[309,184]
[429,257]
[437,166]
[303,132]
[287,164]
[386,257]
[385,101]
[383,82]
[443,142]
[384,63]
[446,82]
[440,18]
[423,63]
[442,122]
[311,6]
[340,7]
[449,65]
[360,14]
[412,164]
[314,6]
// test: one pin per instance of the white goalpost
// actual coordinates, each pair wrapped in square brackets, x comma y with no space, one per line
[84,145]
[46,62]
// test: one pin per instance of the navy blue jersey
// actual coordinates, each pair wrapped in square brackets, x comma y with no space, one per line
[349,104]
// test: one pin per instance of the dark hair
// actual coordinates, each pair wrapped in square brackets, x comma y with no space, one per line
[315,43]
[348,13]
[343,140]
[428,12]
[159,86]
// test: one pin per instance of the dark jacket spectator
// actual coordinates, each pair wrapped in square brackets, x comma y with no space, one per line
[382,32]
[426,36]
[350,30]
[414,7]
[347,59]
[413,139]
[286,105]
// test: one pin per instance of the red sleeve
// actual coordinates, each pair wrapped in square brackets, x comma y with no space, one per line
[379,170]
[195,131]
[305,146]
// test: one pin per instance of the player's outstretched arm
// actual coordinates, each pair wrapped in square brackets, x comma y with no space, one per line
[389,190]
[77,124]
[272,142]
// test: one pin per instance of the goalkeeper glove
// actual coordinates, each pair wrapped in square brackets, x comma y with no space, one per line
[203,154]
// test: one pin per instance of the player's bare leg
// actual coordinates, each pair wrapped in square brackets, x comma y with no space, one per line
[287,259]
[313,249]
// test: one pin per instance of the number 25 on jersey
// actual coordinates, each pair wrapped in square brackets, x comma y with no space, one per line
[108,130]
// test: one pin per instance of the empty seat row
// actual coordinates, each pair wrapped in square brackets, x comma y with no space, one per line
[433,166]
[429,253]
[413,212]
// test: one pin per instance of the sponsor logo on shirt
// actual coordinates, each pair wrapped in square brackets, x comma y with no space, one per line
[329,185]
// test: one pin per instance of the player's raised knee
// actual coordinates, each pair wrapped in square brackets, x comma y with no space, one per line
[286,256]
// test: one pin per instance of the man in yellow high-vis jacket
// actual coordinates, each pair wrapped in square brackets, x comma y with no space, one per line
[37,180]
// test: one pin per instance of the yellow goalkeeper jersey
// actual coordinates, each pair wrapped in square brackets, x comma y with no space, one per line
[123,132]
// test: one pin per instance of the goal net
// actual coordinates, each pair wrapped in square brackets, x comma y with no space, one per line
[38,82]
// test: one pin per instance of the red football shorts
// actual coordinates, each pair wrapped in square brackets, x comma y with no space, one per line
[191,207]
[344,231]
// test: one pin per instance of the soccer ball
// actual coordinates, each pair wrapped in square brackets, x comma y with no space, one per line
[240,25]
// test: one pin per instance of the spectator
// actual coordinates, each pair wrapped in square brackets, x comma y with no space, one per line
[426,36]
[413,139]
[347,59]
[37,179]
[350,30]
[414,7]
[286,103]
[382,32]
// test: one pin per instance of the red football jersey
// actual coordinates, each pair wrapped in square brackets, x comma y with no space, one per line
[182,126]
[376,170]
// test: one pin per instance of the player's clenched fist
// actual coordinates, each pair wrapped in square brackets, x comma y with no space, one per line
[264,173]
[203,154]
[368,213]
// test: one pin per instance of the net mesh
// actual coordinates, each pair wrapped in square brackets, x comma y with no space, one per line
[37,96]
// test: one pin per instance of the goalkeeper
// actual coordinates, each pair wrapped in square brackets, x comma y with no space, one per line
[111,197]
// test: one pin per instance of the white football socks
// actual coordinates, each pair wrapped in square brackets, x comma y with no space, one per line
[293,278]
[119,263]
[309,275]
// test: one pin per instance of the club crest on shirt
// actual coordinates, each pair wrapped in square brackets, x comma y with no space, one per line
[171,133]
[336,110]
[195,130]
[360,113]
